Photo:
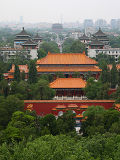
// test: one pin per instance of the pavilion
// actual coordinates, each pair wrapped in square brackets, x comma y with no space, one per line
[68,64]
[69,88]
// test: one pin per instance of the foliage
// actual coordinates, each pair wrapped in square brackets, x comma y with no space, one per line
[104,58]
[49,47]
[66,122]
[41,53]
[61,147]
[21,89]
[96,90]
[47,77]
[22,125]
[20,58]
[67,44]
[17,73]
[73,46]
[4,88]
[105,74]
[32,75]
[114,76]
[100,120]
[77,47]
[7,107]
[48,125]
[41,90]
[115,42]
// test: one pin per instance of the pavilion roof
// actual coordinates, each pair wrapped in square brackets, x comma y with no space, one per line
[37,36]
[66,58]
[99,33]
[84,37]
[117,65]
[68,69]
[61,107]
[23,33]
[22,68]
[68,83]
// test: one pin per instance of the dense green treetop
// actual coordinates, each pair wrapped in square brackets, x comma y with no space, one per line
[32,75]
[114,76]
[73,46]
[96,90]
[17,74]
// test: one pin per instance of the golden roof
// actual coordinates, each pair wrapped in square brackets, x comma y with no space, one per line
[66,58]
[68,83]
[68,69]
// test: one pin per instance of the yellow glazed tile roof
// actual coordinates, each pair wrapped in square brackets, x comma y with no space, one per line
[66,58]
[68,83]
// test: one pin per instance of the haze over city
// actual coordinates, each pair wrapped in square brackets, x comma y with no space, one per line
[57,11]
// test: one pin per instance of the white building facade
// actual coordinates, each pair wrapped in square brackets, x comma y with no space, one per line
[114,52]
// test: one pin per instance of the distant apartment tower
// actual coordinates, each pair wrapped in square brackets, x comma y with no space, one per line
[57,27]
[113,23]
[100,23]
[88,23]
[21,19]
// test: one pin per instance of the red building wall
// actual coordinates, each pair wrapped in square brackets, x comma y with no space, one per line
[43,107]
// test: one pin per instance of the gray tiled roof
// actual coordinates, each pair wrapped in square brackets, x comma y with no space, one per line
[99,33]
[23,33]
[84,37]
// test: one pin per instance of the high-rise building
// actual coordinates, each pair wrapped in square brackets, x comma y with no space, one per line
[21,19]
[88,23]
[100,23]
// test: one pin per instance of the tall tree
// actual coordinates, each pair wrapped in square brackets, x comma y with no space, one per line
[105,74]
[119,77]
[77,47]
[41,90]
[50,47]
[17,73]
[4,88]
[41,53]
[114,76]
[96,90]
[32,78]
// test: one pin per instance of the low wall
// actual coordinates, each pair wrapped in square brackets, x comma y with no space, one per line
[43,107]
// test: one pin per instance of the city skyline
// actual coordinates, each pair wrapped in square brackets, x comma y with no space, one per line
[56,11]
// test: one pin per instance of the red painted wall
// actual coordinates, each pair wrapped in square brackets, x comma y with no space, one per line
[43,107]
[111,91]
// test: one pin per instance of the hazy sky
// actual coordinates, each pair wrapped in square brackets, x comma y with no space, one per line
[54,10]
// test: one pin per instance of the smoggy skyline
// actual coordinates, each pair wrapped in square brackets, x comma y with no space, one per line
[54,11]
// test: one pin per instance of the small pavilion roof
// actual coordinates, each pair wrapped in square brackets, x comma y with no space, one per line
[84,37]
[117,105]
[37,36]
[66,58]
[29,42]
[83,107]
[117,65]
[23,33]
[79,116]
[22,68]
[68,83]
[72,106]
[61,107]
[99,33]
